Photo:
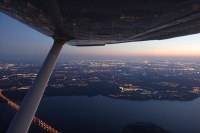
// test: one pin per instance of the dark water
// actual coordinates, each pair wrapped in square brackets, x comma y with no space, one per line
[100,114]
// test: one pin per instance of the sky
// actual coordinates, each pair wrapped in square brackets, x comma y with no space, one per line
[20,41]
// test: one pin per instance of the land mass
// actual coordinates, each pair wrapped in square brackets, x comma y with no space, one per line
[133,80]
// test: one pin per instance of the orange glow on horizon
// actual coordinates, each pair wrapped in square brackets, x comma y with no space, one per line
[187,46]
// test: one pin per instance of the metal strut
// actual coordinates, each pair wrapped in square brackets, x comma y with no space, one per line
[29,105]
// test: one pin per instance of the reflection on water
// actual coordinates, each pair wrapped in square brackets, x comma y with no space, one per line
[99,114]
[102,114]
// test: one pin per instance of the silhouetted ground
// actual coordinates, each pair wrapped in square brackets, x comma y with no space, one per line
[143,127]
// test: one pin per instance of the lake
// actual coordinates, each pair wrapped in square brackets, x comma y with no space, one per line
[99,114]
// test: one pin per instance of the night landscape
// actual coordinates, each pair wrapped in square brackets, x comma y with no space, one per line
[81,66]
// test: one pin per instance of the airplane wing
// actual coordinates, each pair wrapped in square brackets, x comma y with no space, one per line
[100,22]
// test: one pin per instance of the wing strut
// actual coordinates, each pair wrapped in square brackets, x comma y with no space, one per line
[29,105]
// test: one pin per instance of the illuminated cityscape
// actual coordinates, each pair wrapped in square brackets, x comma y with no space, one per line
[140,79]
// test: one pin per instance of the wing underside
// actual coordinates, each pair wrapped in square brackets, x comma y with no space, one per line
[95,23]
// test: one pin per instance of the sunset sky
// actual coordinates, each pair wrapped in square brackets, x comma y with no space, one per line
[17,39]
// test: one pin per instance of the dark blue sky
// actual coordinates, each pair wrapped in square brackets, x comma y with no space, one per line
[18,39]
